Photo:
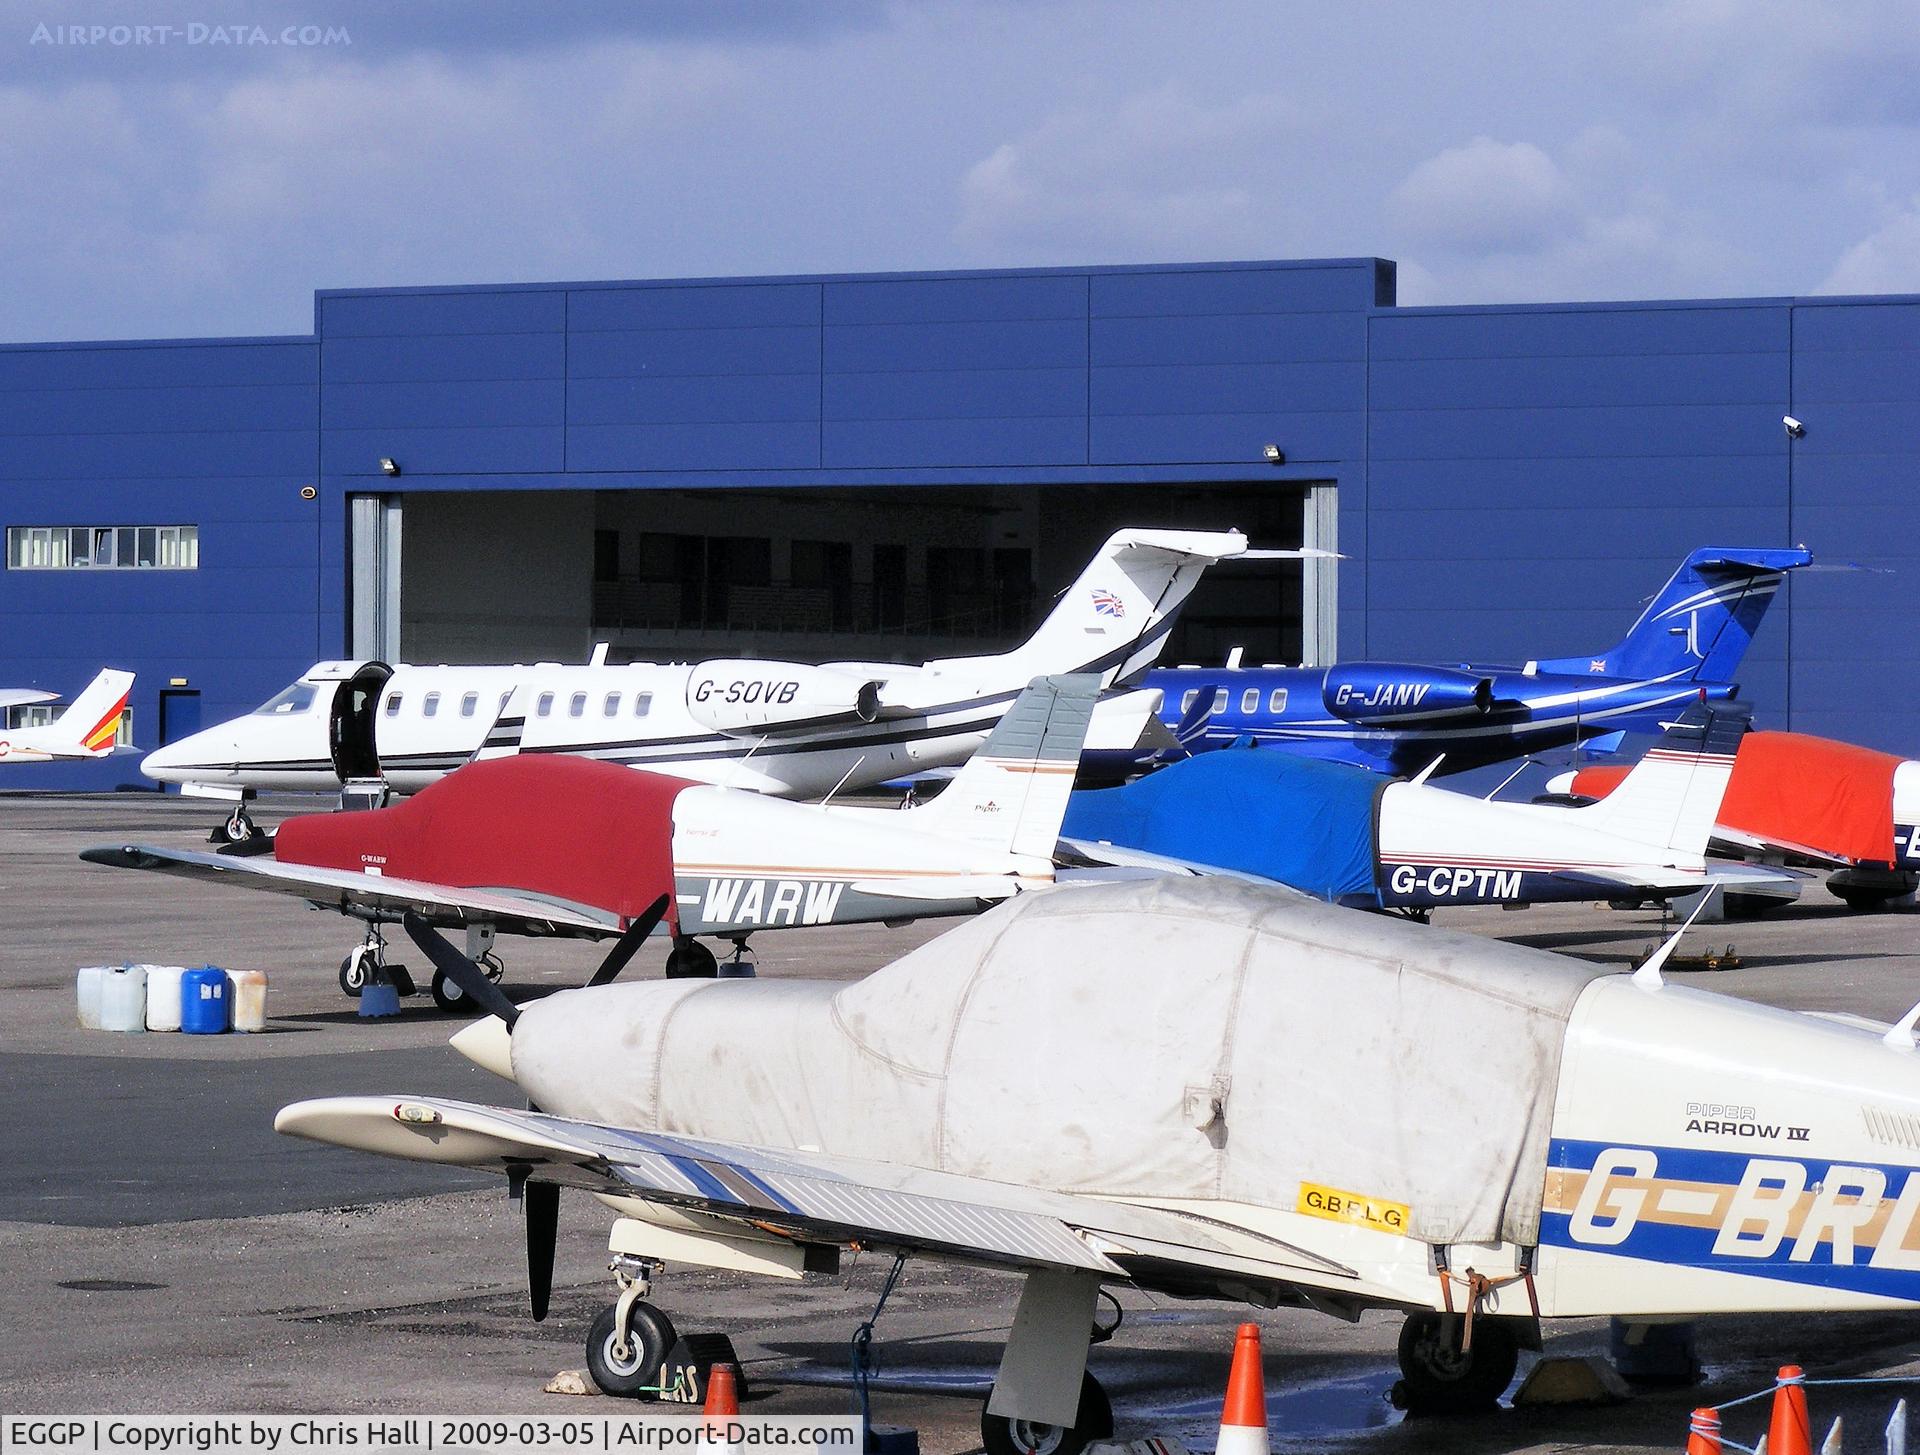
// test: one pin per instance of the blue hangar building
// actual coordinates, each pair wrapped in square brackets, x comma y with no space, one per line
[905,464]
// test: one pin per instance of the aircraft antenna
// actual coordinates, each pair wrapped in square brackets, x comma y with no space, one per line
[1519,768]
[1647,977]
[843,780]
[1900,1037]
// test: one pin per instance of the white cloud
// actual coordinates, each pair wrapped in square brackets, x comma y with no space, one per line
[1503,196]
[1153,174]
[1887,260]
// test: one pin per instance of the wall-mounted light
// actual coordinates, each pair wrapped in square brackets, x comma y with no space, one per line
[1275,455]
[307,492]
[389,466]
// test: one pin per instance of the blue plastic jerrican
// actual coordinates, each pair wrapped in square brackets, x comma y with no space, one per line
[206,1002]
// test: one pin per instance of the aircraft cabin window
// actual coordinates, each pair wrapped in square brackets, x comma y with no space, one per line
[545,705]
[505,698]
[577,704]
[1250,700]
[1277,700]
[642,703]
[468,703]
[1219,704]
[393,705]
[1186,702]
[295,699]
[611,708]
[430,704]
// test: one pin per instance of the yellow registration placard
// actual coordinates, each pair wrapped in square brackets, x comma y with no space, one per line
[1353,1207]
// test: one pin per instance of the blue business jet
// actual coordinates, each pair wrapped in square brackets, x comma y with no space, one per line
[1396,717]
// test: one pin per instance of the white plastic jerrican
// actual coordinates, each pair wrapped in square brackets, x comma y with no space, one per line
[123,999]
[163,996]
[249,999]
[87,989]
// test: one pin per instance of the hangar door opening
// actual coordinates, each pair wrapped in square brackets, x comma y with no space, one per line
[899,573]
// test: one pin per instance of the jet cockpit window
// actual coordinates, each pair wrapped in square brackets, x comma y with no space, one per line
[468,703]
[430,704]
[1277,700]
[642,703]
[1250,700]
[393,705]
[577,704]
[545,704]
[295,699]
[611,708]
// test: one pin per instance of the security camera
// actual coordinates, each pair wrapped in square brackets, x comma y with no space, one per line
[1794,428]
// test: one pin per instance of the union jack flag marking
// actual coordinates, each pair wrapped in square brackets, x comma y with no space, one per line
[1105,603]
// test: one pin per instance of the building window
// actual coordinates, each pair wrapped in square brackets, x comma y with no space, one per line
[1277,700]
[39,714]
[113,547]
[468,703]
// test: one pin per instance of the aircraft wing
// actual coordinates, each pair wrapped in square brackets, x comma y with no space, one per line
[369,895]
[21,696]
[811,1197]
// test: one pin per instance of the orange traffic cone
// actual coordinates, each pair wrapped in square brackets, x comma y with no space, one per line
[1243,1418]
[1703,1433]
[723,1396]
[1790,1433]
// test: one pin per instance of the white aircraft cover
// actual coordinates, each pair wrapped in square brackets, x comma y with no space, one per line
[1232,1042]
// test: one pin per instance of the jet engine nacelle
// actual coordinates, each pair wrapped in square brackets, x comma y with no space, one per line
[744,696]
[1390,692]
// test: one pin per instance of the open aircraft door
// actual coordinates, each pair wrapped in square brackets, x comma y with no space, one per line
[350,723]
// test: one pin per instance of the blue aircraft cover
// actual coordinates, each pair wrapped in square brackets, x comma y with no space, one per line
[1296,820]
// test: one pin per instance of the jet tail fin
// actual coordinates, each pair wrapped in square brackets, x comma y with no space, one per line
[1671,797]
[1115,617]
[88,726]
[1012,794]
[1700,624]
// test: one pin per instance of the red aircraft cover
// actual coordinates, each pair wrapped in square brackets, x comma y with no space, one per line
[578,830]
[1797,790]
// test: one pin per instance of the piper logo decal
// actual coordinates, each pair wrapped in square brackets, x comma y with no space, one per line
[1834,1224]
[1340,1206]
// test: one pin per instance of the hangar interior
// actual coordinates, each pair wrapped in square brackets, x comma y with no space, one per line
[810,574]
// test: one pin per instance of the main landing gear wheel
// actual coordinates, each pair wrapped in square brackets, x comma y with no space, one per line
[629,1367]
[691,960]
[1093,1421]
[451,998]
[1438,1378]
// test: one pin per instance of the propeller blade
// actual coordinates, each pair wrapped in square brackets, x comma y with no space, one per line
[628,945]
[540,1204]
[459,969]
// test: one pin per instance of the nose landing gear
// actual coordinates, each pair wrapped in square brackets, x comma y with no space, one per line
[1441,1378]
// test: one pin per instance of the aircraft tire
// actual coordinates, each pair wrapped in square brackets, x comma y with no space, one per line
[691,960]
[1865,901]
[1437,1379]
[353,975]
[1093,1421]
[448,996]
[650,1337]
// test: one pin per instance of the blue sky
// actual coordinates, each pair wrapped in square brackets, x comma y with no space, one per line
[208,184]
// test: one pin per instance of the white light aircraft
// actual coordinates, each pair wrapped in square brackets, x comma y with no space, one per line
[785,728]
[86,729]
[503,846]
[1203,1088]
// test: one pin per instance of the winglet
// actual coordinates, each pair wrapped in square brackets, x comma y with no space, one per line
[1648,977]
[509,727]
[1193,722]
[1427,772]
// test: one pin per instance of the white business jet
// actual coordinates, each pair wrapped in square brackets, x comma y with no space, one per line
[785,728]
